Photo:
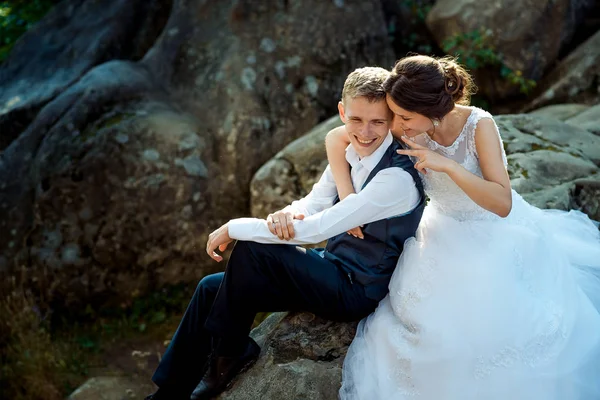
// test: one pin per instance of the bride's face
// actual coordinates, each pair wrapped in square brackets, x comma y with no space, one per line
[407,123]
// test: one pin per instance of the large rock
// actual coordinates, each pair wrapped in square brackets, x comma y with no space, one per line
[110,388]
[525,133]
[561,112]
[588,119]
[114,185]
[575,79]
[301,358]
[529,35]
[548,159]
[73,38]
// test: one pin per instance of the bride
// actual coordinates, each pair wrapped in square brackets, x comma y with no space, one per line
[494,298]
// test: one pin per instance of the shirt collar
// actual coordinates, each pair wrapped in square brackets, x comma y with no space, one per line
[369,162]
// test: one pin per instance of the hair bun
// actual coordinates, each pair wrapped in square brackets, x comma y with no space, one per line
[453,82]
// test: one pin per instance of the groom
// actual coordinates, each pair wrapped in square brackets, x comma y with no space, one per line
[343,282]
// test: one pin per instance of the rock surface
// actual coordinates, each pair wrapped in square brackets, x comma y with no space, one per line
[575,79]
[111,185]
[292,171]
[110,388]
[560,111]
[529,35]
[588,119]
[71,40]
[301,358]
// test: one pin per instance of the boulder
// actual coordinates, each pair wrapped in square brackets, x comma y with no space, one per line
[525,133]
[109,188]
[544,169]
[301,358]
[561,112]
[529,35]
[72,39]
[588,119]
[110,388]
[547,160]
[575,79]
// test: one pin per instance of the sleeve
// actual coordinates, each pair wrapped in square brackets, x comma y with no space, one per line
[390,193]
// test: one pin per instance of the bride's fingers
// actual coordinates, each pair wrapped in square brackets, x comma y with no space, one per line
[356,232]
[420,166]
[408,152]
[412,144]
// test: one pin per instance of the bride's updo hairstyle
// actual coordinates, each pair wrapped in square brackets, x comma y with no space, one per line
[429,86]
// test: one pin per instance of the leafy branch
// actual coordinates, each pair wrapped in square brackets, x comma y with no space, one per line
[16,17]
[475,50]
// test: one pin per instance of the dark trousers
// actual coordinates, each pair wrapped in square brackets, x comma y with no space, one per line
[257,278]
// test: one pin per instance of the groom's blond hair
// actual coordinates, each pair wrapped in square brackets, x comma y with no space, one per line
[365,82]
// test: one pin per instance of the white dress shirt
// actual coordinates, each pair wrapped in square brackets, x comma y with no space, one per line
[390,193]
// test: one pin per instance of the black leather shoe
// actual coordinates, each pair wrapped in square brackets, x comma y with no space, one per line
[221,370]
[153,396]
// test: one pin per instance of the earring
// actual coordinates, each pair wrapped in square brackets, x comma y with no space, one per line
[436,122]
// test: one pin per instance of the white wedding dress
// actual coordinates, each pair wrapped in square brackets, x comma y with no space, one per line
[483,307]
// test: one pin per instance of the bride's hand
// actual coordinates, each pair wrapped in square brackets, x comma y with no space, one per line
[281,224]
[356,232]
[427,158]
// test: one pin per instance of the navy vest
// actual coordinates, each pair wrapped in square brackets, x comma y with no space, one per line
[372,260]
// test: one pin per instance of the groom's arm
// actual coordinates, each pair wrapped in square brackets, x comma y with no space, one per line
[321,197]
[390,193]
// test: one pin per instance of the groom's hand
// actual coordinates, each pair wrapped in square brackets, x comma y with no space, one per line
[218,239]
[281,224]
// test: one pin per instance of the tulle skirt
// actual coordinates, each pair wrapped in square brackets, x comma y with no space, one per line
[486,309]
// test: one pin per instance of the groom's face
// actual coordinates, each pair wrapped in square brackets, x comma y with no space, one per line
[367,123]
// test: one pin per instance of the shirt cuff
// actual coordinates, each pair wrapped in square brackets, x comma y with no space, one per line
[245,228]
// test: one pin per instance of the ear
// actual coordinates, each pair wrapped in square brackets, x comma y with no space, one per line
[342,112]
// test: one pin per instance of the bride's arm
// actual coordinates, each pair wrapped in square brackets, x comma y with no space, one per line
[336,142]
[493,192]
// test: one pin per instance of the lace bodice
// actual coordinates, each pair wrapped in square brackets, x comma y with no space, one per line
[443,193]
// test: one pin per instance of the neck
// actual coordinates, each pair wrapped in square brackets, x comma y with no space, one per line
[444,129]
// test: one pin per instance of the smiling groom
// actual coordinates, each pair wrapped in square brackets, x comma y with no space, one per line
[343,282]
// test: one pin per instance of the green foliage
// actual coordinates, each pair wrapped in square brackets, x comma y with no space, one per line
[16,17]
[475,50]
[416,39]
[516,78]
[33,364]
[418,9]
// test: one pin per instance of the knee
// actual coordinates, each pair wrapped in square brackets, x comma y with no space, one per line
[244,248]
[209,285]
